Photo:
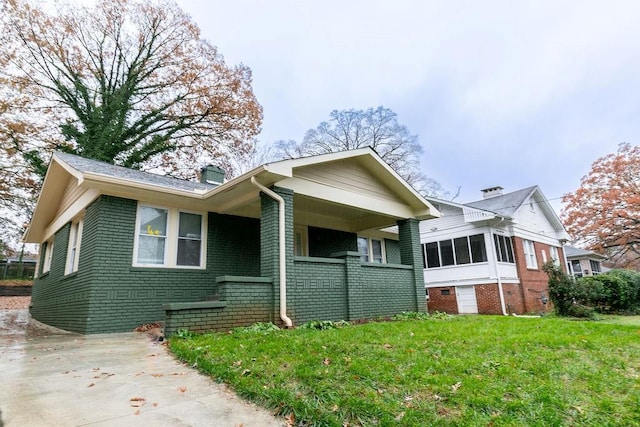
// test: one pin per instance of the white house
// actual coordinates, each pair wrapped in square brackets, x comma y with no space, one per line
[487,256]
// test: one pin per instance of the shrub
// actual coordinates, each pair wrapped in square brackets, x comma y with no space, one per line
[562,288]
[259,327]
[323,324]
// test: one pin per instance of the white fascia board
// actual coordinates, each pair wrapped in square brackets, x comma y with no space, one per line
[70,213]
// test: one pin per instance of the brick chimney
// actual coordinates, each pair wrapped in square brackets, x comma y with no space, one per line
[487,193]
[211,175]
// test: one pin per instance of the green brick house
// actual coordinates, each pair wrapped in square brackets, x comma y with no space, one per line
[326,237]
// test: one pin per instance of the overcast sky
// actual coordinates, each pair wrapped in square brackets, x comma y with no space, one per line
[499,92]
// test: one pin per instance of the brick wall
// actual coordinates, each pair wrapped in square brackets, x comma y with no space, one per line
[488,298]
[392,249]
[107,294]
[533,281]
[444,303]
[244,301]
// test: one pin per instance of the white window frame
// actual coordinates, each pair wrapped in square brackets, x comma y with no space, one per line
[171,239]
[48,256]
[300,240]
[73,248]
[555,255]
[369,255]
[530,254]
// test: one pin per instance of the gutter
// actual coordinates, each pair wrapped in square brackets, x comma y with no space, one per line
[283,254]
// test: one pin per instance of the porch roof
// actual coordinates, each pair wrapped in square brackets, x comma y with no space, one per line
[351,191]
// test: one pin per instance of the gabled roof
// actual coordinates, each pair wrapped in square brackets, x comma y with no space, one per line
[573,252]
[507,204]
[375,197]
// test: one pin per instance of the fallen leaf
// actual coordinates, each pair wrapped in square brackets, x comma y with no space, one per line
[326,361]
[290,419]
[137,412]
[157,375]
[237,363]
[455,387]
[154,404]
[91,385]
[182,389]
[387,346]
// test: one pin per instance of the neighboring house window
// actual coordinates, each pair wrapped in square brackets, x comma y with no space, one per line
[48,256]
[73,251]
[576,268]
[504,248]
[168,237]
[530,254]
[371,250]
[554,255]
[595,267]
[458,251]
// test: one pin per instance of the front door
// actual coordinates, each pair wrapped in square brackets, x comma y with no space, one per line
[466,296]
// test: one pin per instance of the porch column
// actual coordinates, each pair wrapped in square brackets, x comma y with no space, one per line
[411,254]
[356,296]
[269,246]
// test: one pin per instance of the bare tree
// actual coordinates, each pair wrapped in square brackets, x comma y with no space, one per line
[376,128]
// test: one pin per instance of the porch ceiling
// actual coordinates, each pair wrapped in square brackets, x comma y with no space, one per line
[319,213]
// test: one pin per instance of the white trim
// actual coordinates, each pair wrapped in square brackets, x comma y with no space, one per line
[530,254]
[171,238]
[303,246]
[73,247]
[48,255]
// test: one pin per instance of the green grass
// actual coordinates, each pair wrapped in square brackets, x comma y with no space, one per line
[467,370]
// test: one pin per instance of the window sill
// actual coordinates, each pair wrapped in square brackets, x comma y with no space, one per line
[147,268]
[70,275]
[43,275]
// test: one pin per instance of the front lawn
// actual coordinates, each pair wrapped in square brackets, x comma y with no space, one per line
[464,370]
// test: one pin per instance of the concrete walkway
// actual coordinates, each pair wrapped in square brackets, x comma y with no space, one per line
[53,379]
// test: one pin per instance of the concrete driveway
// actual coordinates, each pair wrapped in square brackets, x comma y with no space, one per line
[49,378]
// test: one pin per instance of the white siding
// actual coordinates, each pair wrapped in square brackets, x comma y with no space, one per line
[71,193]
[347,175]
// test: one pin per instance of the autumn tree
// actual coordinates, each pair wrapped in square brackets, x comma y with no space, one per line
[376,128]
[603,214]
[128,82]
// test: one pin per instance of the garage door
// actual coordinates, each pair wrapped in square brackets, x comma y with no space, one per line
[466,296]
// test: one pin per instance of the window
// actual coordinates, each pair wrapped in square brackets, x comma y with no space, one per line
[445,292]
[458,251]
[576,268]
[553,251]
[189,239]
[504,248]
[544,256]
[152,235]
[433,257]
[48,256]
[530,254]
[169,238]
[595,267]
[371,250]
[73,251]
